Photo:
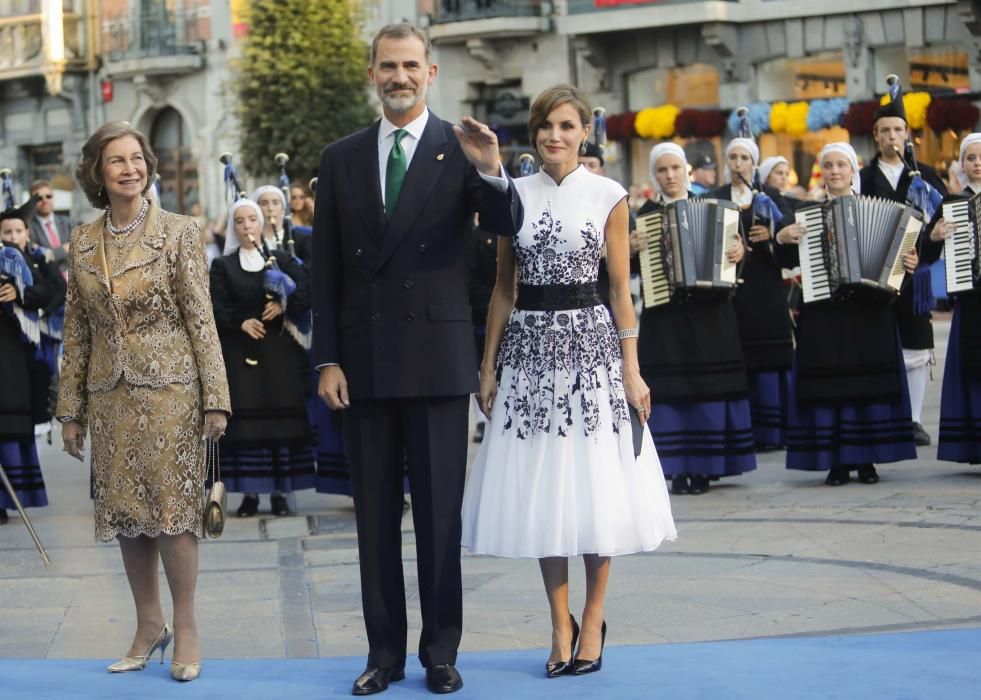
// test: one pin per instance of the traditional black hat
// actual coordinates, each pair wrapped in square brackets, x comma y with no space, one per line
[893,109]
[24,212]
[593,151]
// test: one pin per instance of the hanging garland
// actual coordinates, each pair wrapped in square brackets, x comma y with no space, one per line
[794,119]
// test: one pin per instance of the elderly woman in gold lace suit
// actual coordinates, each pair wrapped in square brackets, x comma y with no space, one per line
[143,374]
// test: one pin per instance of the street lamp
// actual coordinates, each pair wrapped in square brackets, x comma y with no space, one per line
[53,39]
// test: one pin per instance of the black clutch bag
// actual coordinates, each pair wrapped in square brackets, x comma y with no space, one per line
[637,428]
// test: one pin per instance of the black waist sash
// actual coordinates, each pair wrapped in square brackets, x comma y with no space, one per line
[556,297]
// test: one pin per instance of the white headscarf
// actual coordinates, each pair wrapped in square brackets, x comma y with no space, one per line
[849,152]
[663,149]
[767,166]
[740,142]
[231,238]
[265,189]
[961,175]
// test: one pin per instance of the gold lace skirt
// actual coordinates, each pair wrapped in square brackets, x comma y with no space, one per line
[147,460]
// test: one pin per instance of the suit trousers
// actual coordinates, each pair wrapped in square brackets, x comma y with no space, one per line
[428,436]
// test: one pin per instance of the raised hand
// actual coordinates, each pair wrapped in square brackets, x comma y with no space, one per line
[479,145]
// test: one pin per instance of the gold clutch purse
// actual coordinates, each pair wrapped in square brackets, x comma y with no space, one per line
[217,499]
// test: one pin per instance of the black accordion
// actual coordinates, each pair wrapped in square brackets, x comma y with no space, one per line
[961,251]
[855,241]
[687,250]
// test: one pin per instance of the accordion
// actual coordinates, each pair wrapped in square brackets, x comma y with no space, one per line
[961,259]
[855,241]
[687,246]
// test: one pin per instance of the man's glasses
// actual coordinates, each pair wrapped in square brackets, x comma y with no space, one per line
[45,196]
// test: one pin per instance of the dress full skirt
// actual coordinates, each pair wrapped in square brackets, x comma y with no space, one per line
[556,473]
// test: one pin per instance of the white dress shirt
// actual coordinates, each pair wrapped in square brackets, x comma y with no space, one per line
[386,139]
[892,172]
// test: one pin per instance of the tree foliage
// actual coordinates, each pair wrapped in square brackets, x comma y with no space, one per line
[301,82]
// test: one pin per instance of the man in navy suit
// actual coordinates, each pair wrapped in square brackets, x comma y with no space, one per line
[393,340]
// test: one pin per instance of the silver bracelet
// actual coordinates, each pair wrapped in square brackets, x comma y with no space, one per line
[625,333]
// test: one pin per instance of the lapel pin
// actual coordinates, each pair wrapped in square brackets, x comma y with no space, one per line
[439,156]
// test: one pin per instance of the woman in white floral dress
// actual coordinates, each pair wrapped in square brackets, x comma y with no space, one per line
[557,475]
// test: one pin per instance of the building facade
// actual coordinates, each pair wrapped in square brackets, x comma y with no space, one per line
[631,54]
[161,65]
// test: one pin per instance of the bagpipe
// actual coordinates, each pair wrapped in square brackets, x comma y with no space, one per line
[765,210]
[284,184]
[920,195]
[277,284]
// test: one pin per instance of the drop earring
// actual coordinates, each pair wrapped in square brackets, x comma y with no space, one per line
[582,149]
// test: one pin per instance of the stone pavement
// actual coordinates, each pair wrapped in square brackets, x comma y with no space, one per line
[772,553]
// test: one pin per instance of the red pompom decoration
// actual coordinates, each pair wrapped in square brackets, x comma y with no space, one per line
[684,124]
[958,115]
[710,123]
[620,127]
[860,117]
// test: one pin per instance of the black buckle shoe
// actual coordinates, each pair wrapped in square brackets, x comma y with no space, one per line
[920,436]
[249,507]
[867,474]
[698,484]
[443,678]
[278,505]
[375,679]
[837,476]
[679,485]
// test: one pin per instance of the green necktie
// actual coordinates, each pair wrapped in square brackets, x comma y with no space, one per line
[394,173]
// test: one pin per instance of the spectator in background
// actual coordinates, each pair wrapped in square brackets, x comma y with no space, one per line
[50,230]
[592,158]
[301,205]
[703,174]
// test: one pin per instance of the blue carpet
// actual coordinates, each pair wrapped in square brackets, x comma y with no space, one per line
[908,666]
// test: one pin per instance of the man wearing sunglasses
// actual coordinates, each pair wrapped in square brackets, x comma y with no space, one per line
[48,229]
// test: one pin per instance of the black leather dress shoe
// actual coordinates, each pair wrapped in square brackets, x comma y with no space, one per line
[376,679]
[443,678]
[3,517]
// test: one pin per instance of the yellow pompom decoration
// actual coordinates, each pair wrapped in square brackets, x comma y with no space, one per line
[916,104]
[778,117]
[797,118]
[656,122]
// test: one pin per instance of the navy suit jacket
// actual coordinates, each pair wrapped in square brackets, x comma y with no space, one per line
[390,297]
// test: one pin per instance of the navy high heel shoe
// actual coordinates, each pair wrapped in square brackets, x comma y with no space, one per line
[580,667]
[554,669]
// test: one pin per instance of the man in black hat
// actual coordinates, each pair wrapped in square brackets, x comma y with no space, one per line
[592,158]
[888,176]
[703,174]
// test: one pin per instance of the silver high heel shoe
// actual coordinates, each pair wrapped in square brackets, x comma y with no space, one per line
[138,663]
[185,672]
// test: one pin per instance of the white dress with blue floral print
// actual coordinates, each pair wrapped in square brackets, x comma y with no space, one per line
[556,473]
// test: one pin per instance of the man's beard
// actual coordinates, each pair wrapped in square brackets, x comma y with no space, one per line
[402,102]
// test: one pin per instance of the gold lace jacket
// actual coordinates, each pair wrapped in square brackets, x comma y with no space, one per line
[150,322]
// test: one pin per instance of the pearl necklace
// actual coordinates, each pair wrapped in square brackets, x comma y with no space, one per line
[131,226]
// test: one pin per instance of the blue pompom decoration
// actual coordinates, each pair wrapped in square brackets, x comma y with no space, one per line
[822,114]
[759,119]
